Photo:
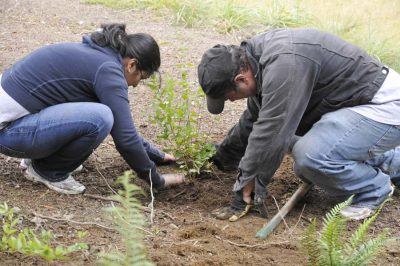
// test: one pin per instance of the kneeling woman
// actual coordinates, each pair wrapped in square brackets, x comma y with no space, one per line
[61,101]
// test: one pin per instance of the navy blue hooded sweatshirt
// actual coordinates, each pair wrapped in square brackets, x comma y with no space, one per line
[83,72]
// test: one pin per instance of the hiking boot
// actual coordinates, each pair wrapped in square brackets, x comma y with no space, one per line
[231,213]
[359,212]
[67,186]
[26,162]
[239,208]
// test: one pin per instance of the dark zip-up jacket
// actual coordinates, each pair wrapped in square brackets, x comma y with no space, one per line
[83,72]
[301,74]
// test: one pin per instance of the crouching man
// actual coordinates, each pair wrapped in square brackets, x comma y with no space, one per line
[327,101]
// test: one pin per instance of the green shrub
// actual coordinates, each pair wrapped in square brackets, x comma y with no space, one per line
[331,247]
[128,219]
[175,112]
[25,240]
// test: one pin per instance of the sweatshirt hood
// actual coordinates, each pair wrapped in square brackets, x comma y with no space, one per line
[107,50]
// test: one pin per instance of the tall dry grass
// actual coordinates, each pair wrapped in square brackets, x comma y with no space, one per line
[372,24]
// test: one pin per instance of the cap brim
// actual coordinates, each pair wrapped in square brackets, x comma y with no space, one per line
[215,106]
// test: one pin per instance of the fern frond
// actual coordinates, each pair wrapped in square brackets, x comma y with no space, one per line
[112,259]
[128,220]
[333,250]
[333,225]
[369,250]
[311,244]
[359,235]
[334,212]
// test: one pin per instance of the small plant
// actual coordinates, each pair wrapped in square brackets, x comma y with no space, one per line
[25,240]
[331,248]
[176,115]
[128,220]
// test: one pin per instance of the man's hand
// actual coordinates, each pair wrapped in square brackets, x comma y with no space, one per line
[247,190]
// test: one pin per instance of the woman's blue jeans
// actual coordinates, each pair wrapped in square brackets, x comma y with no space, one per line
[348,154]
[58,138]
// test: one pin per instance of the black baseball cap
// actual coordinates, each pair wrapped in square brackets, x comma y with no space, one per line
[216,73]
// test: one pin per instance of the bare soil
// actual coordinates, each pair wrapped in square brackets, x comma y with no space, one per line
[184,232]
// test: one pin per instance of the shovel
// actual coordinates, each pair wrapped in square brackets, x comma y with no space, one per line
[275,221]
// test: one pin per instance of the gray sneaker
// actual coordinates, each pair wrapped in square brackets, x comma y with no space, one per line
[67,186]
[26,162]
[356,212]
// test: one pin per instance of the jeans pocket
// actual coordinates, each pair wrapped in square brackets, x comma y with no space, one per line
[390,140]
[10,152]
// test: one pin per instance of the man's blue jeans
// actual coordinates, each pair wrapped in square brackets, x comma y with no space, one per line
[346,153]
[58,138]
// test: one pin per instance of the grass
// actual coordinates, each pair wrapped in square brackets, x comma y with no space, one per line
[372,24]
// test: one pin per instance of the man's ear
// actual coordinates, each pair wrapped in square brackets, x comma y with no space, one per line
[240,78]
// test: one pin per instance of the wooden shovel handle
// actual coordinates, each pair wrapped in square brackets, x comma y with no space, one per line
[275,221]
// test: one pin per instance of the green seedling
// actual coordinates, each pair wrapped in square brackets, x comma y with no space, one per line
[176,113]
[15,238]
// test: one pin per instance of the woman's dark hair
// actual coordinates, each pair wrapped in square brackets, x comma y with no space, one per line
[140,46]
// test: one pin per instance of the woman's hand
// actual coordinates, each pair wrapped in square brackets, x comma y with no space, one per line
[173,179]
[168,158]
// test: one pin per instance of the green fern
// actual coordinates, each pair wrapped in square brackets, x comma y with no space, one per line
[311,245]
[128,220]
[360,233]
[333,225]
[330,246]
[368,250]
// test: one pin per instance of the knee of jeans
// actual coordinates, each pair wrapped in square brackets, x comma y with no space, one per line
[104,118]
[108,120]
[308,163]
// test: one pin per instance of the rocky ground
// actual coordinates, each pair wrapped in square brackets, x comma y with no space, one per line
[184,232]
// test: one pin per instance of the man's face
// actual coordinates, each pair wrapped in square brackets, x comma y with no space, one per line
[246,86]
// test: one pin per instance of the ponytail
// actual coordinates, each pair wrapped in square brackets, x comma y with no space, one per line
[140,46]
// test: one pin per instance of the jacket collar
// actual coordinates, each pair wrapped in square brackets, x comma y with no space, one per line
[254,65]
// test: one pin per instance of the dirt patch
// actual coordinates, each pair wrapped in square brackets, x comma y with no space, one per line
[184,233]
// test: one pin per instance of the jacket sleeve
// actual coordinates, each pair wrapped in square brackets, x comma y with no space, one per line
[154,154]
[234,145]
[112,90]
[288,80]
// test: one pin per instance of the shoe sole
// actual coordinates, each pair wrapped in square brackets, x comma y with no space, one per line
[23,166]
[69,192]
[371,211]
[361,217]
[49,185]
